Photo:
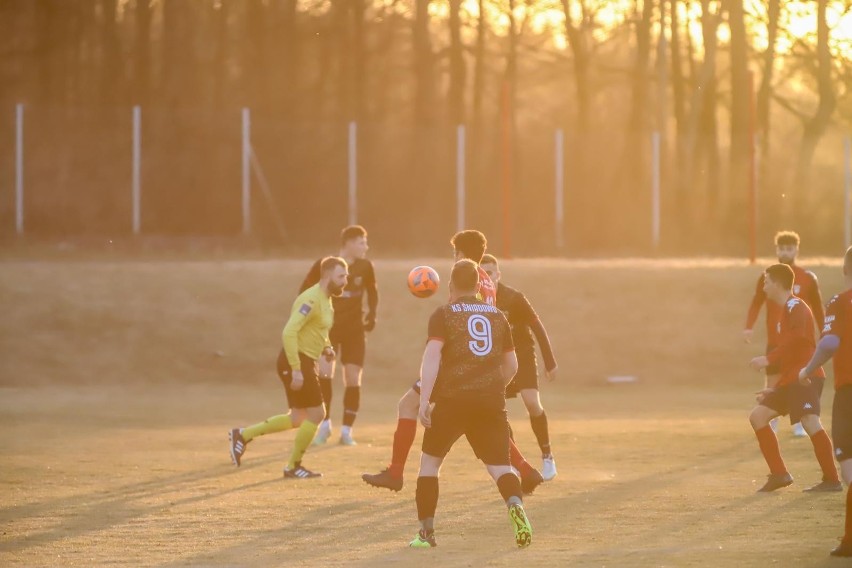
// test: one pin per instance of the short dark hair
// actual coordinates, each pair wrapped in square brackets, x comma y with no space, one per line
[470,243]
[782,275]
[489,259]
[847,261]
[787,238]
[329,263]
[352,232]
[465,275]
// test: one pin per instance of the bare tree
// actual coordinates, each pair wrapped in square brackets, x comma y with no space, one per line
[142,52]
[424,80]
[457,67]
[581,61]
[740,99]
[815,127]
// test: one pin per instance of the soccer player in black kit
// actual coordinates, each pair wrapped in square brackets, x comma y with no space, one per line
[348,335]
[468,361]
[525,323]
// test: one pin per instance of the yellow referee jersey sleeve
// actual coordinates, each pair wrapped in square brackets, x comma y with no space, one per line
[307,329]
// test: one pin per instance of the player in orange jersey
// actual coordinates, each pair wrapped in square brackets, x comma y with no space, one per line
[788,395]
[836,342]
[805,286]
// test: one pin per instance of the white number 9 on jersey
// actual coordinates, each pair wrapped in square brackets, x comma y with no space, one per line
[479,328]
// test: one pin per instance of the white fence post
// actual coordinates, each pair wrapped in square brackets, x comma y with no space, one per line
[19,169]
[353,173]
[137,168]
[246,171]
[655,190]
[460,176]
[560,187]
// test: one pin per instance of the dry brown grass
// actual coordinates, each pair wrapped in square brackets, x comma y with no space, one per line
[120,379]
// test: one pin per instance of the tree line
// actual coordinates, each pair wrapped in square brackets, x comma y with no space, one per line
[708,75]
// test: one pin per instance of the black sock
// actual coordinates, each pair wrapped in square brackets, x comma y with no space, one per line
[325,389]
[426,497]
[539,428]
[351,403]
[509,486]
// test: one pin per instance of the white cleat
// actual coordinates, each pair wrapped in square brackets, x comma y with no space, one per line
[346,440]
[548,468]
[799,430]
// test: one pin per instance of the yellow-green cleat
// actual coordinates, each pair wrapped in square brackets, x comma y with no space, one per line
[424,539]
[523,529]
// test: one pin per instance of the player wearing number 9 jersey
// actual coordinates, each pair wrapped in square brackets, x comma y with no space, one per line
[469,245]
[468,361]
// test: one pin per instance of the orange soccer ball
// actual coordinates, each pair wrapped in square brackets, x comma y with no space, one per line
[423,281]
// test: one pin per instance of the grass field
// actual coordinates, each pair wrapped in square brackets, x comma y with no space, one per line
[120,379]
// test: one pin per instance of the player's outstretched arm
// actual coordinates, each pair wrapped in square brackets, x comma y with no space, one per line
[816,300]
[372,289]
[428,375]
[546,348]
[825,350]
[754,309]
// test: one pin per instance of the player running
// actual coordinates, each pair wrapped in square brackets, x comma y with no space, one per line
[468,361]
[348,334]
[524,323]
[469,245]
[305,338]
[836,342]
[788,395]
[805,286]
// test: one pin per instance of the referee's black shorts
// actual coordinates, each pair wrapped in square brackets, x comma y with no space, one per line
[484,424]
[310,394]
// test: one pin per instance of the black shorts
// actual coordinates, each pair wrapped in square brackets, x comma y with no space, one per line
[771,369]
[485,426]
[796,399]
[841,423]
[310,394]
[350,343]
[525,378]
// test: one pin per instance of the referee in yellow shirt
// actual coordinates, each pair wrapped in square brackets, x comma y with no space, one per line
[305,339]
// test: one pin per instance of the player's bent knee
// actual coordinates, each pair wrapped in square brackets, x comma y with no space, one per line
[352,375]
[811,423]
[759,418]
[430,466]
[498,471]
[846,471]
[315,414]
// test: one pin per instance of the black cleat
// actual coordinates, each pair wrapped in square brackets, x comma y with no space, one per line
[824,486]
[776,481]
[530,481]
[383,479]
[238,445]
[843,549]
[300,472]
